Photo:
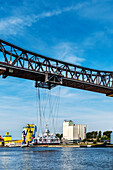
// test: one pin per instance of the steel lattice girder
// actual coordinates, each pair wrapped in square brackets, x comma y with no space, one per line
[22,63]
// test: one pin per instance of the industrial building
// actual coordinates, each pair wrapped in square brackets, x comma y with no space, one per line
[7,137]
[73,132]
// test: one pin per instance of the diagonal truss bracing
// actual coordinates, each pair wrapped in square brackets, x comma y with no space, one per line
[22,63]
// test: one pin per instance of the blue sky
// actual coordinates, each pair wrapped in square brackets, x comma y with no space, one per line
[80,32]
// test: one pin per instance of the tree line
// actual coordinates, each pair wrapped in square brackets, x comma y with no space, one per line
[95,135]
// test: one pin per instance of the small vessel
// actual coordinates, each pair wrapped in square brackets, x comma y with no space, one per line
[46,138]
[12,144]
[89,146]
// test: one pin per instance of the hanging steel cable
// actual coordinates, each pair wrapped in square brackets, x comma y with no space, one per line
[40,110]
[47,111]
[44,101]
[37,107]
[53,107]
[57,108]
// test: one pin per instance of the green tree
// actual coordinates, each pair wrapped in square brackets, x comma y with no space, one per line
[59,135]
[107,133]
[99,134]
[98,139]
[84,140]
[104,138]
[89,135]
[94,134]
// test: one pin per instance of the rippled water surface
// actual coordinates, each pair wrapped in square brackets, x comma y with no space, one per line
[56,158]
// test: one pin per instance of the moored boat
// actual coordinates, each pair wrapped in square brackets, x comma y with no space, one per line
[46,138]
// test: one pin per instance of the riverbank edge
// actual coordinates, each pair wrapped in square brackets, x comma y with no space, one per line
[67,146]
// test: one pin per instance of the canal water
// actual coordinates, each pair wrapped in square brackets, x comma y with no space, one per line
[56,158]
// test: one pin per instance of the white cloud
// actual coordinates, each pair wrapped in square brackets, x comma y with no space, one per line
[14,24]
[60,11]
[68,52]
[97,10]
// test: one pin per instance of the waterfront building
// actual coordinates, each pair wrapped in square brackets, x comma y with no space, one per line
[73,132]
[111,138]
[1,141]
[7,137]
[28,133]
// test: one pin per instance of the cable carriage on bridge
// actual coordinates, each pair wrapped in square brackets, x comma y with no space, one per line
[47,112]
[49,73]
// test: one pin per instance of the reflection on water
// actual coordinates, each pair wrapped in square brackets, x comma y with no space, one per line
[56,158]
